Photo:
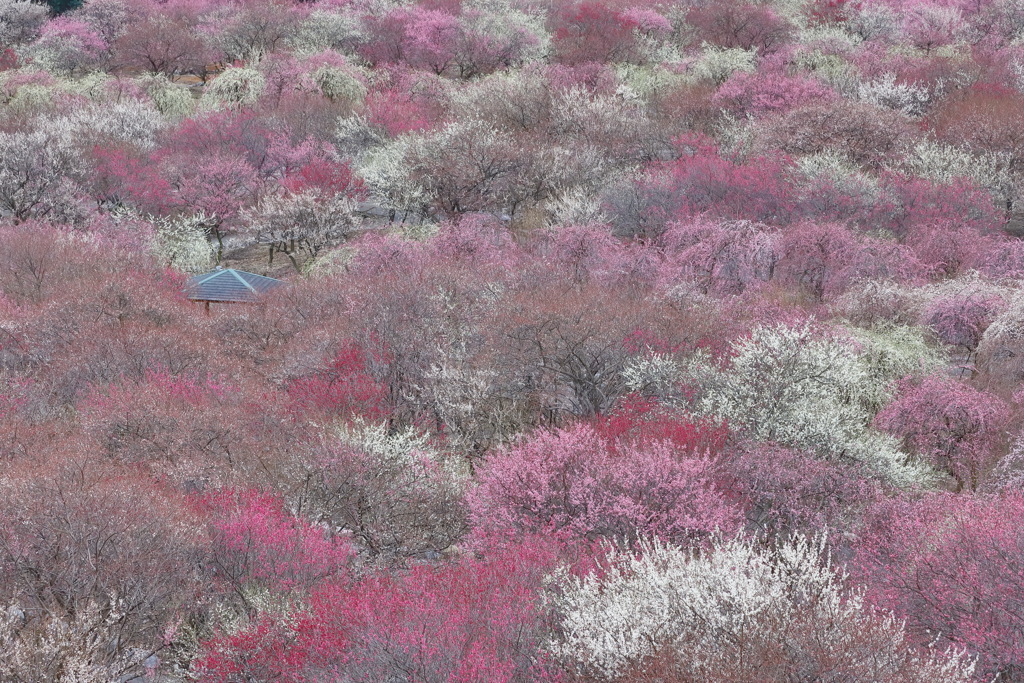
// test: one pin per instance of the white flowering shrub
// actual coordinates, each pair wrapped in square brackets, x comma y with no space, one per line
[512,25]
[808,390]
[302,222]
[353,136]
[405,447]
[182,242]
[27,98]
[132,121]
[876,302]
[718,63]
[735,612]
[386,170]
[890,353]
[837,169]
[38,170]
[942,163]
[173,101]
[235,87]
[1017,69]
[62,648]
[108,17]
[609,129]
[828,67]
[577,111]
[325,30]
[576,206]
[655,373]
[20,21]
[338,85]
[645,81]
[508,100]
[1001,349]
[833,35]
[66,51]
[465,166]
[1009,326]
[884,91]
[874,22]
[392,490]
[475,406]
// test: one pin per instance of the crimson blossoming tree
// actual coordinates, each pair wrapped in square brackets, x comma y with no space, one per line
[468,620]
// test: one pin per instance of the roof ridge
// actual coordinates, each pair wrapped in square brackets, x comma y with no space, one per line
[241,279]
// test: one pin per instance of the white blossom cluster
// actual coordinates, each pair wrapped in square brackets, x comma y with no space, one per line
[20,21]
[715,612]
[829,68]
[181,242]
[325,30]
[718,63]
[234,87]
[62,648]
[645,81]
[398,494]
[34,166]
[791,386]
[504,22]
[471,403]
[873,302]
[575,206]
[874,22]
[173,101]
[655,372]
[313,221]
[891,352]
[406,447]
[943,163]
[835,167]
[1003,340]
[884,91]
[129,120]
[338,85]
[386,171]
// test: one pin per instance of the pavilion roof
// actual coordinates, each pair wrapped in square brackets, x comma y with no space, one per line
[228,285]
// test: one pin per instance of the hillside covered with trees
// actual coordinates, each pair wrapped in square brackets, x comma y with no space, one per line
[620,341]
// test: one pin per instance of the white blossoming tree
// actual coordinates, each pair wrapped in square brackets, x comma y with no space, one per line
[37,174]
[20,21]
[301,223]
[236,87]
[182,242]
[733,613]
[800,388]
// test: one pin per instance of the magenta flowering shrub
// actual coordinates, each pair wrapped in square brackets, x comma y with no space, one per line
[961,320]
[766,93]
[966,550]
[954,426]
[577,485]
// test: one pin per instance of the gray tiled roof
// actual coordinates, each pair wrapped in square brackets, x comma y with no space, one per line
[229,285]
